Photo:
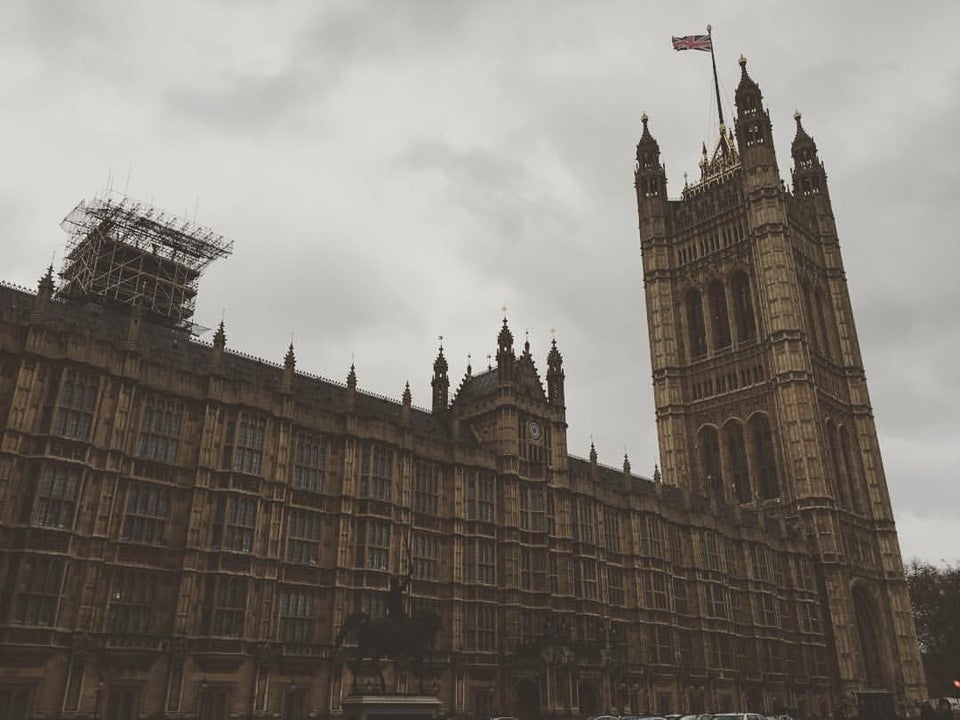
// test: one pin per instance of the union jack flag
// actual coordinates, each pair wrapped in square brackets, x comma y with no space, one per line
[693,42]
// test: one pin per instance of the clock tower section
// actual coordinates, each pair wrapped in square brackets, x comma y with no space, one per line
[760,393]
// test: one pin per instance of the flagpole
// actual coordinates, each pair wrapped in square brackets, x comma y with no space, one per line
[716,83]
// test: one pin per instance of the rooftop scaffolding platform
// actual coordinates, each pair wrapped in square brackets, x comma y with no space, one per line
[123,252]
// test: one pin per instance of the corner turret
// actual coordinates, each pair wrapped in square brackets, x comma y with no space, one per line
[555,376]
[809,177]
[754,132]
[505,355]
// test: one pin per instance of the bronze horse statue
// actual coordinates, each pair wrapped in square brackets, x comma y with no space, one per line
[399,637]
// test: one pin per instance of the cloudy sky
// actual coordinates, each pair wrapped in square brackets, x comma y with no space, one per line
[393,171]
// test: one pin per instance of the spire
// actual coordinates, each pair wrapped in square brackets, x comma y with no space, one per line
[649,176]
[555,375]
[505,355]
[593,453]
[657,477]
[440,382]
[809,177]
[289,365]
[405,409]
[352,387]
[220,337]
[626,464]
[45,286]
[44,293]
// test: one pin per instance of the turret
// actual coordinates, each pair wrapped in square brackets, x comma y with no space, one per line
[650,179]
[555,376]
[809,177]
[440,384]
[44,293]
[754,131]
[289,366]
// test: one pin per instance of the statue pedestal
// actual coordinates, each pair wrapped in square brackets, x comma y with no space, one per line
[384,707]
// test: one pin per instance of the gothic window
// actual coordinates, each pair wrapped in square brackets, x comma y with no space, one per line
[656,590]
[761,564]
[245,439]
[711,550]
[677,541]
[376,473]
[426,556]
[768,610]
[851,470]
[426,488]
[533,569]
[532,511]
[160,430]
[615,585]
[56,499]
[303,537]
[309,462]
[148,508]
[229,606]
[768,480]
[840,482]
[42,579]
[651,536]
[479,561]
[710,461]
[296,615]
[737,456]
[479,627]
[695,324]
[611,530]
[723,649]
[234,522]
[828,327]
[480,496]
[583,527]
[743,307]
[716,600]
[719,321]
[373,544]
[681,603]
[132,599]
[588,578]
[76,404]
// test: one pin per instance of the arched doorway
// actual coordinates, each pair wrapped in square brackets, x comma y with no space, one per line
[528,700]
[589,698]
[873,655]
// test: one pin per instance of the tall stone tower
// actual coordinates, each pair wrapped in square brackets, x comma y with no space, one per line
[760,392]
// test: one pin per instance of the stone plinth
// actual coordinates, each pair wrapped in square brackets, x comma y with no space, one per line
[388,707]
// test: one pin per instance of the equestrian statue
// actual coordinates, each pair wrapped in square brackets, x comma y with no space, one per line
[395,635]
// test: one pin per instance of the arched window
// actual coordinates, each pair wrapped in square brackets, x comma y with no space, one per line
[710,462]
[737,457]
[743,306]
[698,332]
[828,328]
[851,469]
[767,477]
[812,321]
[719,321]
[839,484]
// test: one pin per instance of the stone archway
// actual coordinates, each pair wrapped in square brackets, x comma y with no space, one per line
[589,698]
[528,700]
[873,651]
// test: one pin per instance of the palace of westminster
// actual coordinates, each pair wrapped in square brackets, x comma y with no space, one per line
[184,528]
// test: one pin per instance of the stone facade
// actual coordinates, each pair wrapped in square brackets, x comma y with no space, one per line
[184,527]
[759,386]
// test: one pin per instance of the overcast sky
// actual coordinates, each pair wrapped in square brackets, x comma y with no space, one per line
[393,171]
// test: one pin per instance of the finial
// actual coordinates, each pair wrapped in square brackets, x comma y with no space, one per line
[626,462]
[469,367]
[352,377]
[441,343]
[593,452]
[406,394]
[796,116]
[489,365]
[290,360]
[503,309]
[686,181]
[743,63]
[644,118]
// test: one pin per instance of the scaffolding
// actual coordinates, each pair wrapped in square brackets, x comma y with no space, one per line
[123,252]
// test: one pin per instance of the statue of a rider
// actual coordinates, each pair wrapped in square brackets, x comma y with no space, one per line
[394,603]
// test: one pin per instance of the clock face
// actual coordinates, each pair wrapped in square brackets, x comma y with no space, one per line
[535,430]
